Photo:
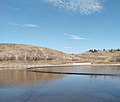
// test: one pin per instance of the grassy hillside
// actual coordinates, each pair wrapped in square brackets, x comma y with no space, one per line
[22,53]
[115,57]
[29,53]
[107,56]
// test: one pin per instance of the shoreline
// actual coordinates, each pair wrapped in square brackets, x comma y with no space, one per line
[43,66]
[50,65]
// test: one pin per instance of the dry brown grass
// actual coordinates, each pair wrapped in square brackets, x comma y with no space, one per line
[100,57]
[21,53]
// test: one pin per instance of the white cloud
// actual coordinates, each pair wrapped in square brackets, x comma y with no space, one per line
[30,25]
[13,8]
[81,6]
[15,24]
[75,37]
[26,25]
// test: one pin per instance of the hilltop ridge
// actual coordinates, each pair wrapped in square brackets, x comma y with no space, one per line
[12,54]
[100,56]
[29,54]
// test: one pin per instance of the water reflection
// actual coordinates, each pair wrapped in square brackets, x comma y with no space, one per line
[84,69]
[39,87]
[21,78]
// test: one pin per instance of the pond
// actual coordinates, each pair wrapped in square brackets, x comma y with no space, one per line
[25,86]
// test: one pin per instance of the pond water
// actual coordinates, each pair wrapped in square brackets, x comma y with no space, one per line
[24,86]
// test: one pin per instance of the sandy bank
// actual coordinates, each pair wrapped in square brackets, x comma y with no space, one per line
[40,66]
[59,65]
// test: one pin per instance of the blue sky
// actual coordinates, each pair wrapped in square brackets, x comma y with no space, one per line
[71,26]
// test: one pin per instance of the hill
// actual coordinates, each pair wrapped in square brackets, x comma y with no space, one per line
[33,54]
[17,54]
[98,56]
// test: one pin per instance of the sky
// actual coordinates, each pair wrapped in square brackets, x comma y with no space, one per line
[71,26]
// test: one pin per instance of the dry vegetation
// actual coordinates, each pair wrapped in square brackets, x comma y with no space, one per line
[21,53]
[17,54]
[105,56]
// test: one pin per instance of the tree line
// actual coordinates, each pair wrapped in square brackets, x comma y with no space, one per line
[110,50]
